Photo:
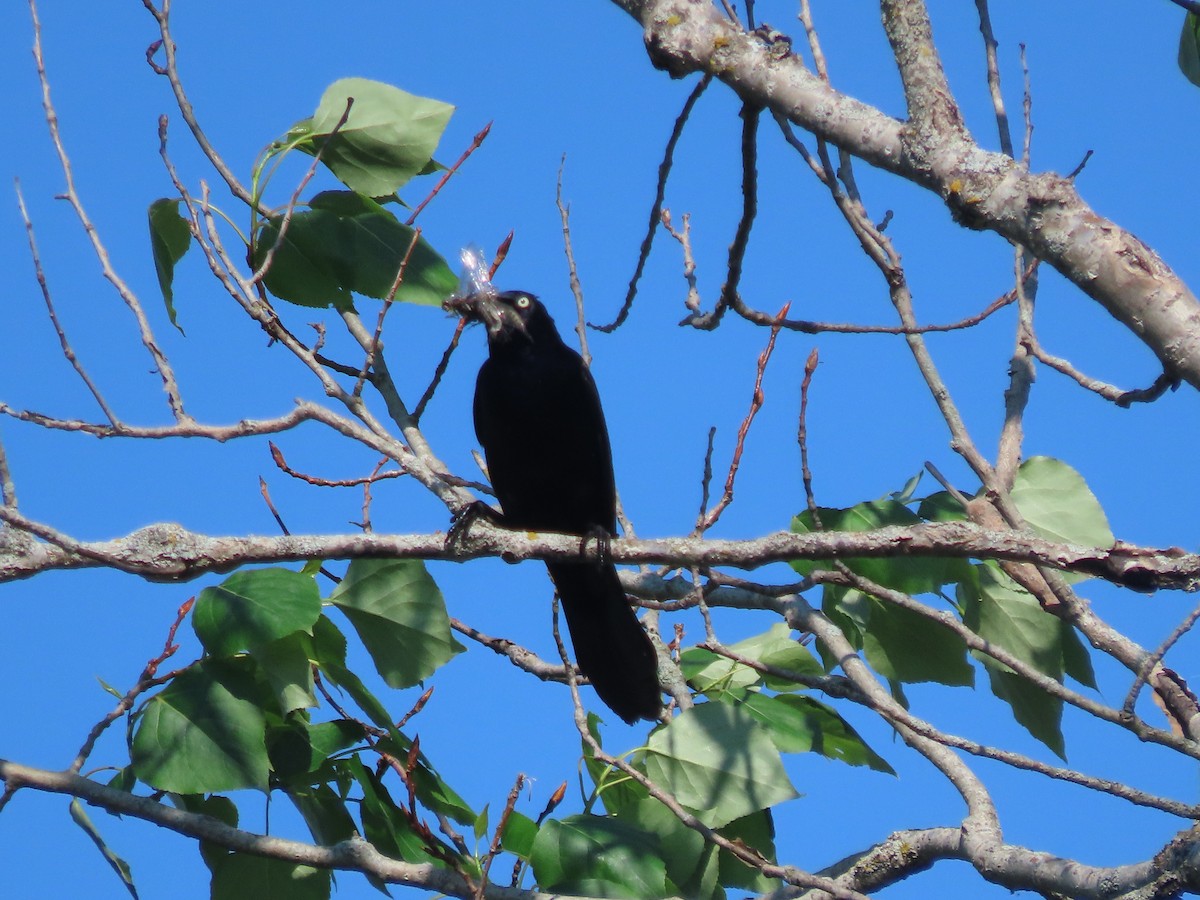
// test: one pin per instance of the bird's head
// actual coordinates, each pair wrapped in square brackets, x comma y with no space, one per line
[509,316]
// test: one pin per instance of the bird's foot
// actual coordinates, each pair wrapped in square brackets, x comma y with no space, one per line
[603,549]
[461,521]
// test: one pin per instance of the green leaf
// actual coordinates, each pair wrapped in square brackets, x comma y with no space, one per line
[170,238]
[801,724]
[241,875]
[1058,505]
[1010,617]
[298,748]
[385,824]
[347,243]
[431,789]
[1189,48]
[204,732]
[250,609]
[1039,712]
[718,762]
[941,507]
[324,812]
[399,614]
[520,831]
[598,856]
[329,651]
[756,830]
[1077,660]
[1006,615]
[480,825]
[714,674]
[388,137]
[220,808]
[618,792]
[124,780]
[286,664]
[83,820]
[691,863]
[905,646]
[915,575]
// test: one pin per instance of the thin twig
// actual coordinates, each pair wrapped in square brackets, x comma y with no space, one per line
[993,77]
[810,368]
[476,143]
[370,481]
[161,364]
[1027,114]
[684,238]
[656,209]
[265,492]
[377,337]
[705,482]
[171,72]
[729,297]
[756,402]
[40,274]
[564,214]
[8,487]
[269,257]
[497,836]
[1156,657]
[440,371]
[376,475]
[146,680]
[1121,398]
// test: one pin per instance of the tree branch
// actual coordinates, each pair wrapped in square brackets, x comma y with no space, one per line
[354,854]
[982,189]
[170,552]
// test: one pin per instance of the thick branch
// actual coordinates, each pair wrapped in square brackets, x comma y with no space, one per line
[169,552]
[983,190]
[353,855]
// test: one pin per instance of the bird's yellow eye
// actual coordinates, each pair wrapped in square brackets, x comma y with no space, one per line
[523,302]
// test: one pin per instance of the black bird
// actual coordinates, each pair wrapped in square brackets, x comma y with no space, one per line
[538,418]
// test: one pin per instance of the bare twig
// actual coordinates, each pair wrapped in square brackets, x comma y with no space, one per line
[993,77]
[657,213]
[494,848]
[8,487]
[373,348]
[1122,398]
[145,681]
[705,482]
[67,350]
[376,475]
[161,364]
[171,72]
[476,143]
[810,368]
[741,239]
[269,257]
[564,214]
[1153,660]
[756,402]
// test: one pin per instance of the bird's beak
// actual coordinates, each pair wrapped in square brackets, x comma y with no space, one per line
[469,306]
[482,306]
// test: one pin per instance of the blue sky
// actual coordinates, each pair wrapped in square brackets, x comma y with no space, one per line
[579,83]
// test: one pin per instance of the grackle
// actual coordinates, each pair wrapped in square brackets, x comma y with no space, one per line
[538,418]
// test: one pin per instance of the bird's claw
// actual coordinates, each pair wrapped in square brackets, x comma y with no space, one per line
[461,522]
[603,545]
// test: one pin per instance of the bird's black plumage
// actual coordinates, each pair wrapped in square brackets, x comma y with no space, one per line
[539,420]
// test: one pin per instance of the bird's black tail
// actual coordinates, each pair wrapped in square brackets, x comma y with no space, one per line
[610,646]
